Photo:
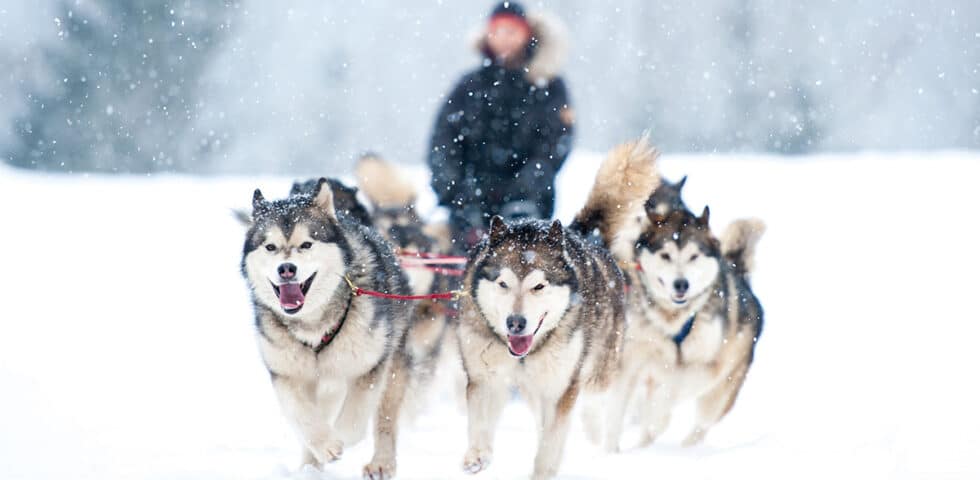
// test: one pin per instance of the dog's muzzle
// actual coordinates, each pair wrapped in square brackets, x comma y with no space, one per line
[292,296]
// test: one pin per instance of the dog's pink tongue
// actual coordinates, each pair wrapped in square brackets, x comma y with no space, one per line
[291,295]
[520,345]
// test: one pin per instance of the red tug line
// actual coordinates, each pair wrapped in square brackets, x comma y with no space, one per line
[358,291]
[431,262]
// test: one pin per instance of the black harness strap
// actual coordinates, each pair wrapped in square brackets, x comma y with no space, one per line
[685,331]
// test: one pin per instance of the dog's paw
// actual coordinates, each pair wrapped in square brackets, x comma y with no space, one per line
[611,445]
[647,439]
[380,469]
[544,474]
[694,438]
[476,460]
[328,450]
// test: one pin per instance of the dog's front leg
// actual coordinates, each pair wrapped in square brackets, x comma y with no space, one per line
[619,397]
[361,402]
[309,415]
[485,398]
[383,463]
[555,415]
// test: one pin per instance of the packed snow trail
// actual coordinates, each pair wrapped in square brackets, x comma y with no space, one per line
[127,348]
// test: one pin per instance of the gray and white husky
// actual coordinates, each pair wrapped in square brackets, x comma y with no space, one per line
[693,322]
[543,310]
[335,359]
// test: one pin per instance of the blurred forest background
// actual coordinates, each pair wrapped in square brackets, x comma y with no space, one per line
[302,87]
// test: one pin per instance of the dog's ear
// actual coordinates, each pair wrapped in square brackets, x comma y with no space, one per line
[259,205]
[681,183]
[497,228]
[323,199]
[243,216]
[556,233]
[703,219]
[296,189]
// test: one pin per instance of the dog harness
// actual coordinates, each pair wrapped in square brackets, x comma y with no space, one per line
[684,332]
[358,291]
[332,333]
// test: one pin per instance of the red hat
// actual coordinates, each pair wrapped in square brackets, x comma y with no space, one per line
[511,13]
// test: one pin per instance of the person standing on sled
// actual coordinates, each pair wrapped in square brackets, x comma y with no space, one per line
[505,129]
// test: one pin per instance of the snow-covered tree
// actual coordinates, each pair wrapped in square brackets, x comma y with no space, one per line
[120,94]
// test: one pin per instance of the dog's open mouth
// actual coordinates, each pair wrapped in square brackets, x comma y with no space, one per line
[519,345]
[292,296]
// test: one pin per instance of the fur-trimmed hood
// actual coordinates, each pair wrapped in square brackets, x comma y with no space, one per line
[548,54]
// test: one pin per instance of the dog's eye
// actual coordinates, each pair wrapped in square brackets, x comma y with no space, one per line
[306,245]
[538,287]
[502,284]
[270,247]
[694,257]
[665,256]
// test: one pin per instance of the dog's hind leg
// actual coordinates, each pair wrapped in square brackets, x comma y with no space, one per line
[551,442]
[485,399]
[591,421]
[299,402]
[713,405]
[361,402]
[383,463]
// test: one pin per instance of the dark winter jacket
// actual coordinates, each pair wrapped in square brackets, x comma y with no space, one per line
[503,134]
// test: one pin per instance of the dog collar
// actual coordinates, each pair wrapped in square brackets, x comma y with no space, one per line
[332,333]
[685,331]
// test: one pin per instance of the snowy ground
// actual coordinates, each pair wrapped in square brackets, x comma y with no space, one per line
[126,347]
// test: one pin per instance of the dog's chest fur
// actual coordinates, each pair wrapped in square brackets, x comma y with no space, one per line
[354,351]
[547,370]
[651,331]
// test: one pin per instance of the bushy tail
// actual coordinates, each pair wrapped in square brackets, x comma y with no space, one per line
[738,243]
[383,183]
[625,180]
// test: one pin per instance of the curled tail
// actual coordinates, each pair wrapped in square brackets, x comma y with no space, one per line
[383,183]
[738,244]
[625,180]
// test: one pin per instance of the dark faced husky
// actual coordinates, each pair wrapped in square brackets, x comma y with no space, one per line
[330,353]
[693,323]
[544,311]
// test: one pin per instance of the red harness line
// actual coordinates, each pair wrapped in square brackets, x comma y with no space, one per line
[426,257]
[358,291]
[431,262]
[452,272]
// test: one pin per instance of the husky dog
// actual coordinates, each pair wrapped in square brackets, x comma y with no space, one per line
[394,214]
[330,353]
[666,197]
[395,217]
[544,310]
[693,322]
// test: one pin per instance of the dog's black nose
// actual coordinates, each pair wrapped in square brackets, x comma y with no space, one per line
[681,285]
[516,324]
[287,271]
